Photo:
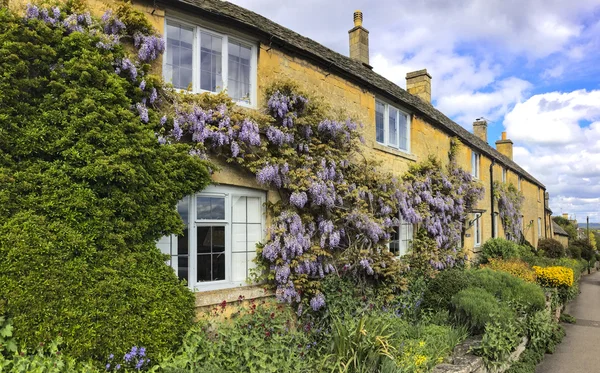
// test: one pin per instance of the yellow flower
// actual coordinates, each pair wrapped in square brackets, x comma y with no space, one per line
[420,359]
[556,276]
[422,344]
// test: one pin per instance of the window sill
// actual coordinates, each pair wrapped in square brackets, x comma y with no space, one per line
[212,297]
[397,152]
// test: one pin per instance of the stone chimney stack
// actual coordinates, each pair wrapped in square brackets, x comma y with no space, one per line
[359,40]
[480,128]
[418,83]
[565,215]
[505,146]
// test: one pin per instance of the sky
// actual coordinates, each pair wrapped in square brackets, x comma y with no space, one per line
[530,67]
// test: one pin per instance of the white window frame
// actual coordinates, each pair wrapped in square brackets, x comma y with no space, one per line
[477,229]
[475,164]
[386,119]
[197,29]
[504,172]
[403,223]
[227,192]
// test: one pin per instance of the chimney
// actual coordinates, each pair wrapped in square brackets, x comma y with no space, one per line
[480,128]
[359,40]
[418,83]
[505,146]
[566,215]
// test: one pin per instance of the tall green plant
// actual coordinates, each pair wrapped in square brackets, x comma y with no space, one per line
[86,189]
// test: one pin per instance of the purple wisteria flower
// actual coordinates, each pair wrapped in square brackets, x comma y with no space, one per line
[143,112]
[298,199]
[149,46]
[317,302]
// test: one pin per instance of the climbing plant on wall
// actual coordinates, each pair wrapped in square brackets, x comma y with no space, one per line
[510,201]
[439,201]
[336,211]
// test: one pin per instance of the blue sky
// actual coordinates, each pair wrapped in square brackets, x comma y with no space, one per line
[531,67]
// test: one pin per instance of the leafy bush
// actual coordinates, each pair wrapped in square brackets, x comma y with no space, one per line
[498,248]
[515,267]
[498,342]
[443,287]
[525,296]
[574,252]
[259,337]
[551,248]
[47,358]
[554,277]
[85,192]
[475,307]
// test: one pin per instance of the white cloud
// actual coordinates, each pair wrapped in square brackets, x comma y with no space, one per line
[559,142]
[553,118]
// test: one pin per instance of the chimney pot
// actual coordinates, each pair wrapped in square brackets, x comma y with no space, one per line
[480,129]
[418,83]
[358,18]
[359,40]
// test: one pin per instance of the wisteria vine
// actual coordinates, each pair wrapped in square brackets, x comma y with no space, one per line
[510,202]
[337,211]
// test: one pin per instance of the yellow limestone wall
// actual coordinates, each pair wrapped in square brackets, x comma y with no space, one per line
[359,104]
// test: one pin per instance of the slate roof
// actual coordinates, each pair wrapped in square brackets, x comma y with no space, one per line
[559,230]
[287,40]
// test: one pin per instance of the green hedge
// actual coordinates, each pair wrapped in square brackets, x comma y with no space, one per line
[85,192]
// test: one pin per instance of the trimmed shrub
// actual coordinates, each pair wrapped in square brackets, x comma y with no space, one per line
[508,288]
[551,248]
[85,192]
[475,307]
[498,248]
[443,287]
[515,267]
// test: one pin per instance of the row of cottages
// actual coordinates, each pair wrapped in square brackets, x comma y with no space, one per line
[212,45]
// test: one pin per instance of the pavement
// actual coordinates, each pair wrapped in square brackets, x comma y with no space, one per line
[579,351]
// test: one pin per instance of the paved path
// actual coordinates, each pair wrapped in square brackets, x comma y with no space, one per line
[579,351]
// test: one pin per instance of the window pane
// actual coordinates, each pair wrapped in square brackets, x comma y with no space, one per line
[254,232]
[239,265]
[238,64]
[218,267]
[218,239]
[379,113]
[211,253]
[403,126]
[254,210]
[393,127]
[395,241]
[203,240]
[210,208]
[210,62]
[238,238]
[204,265]
[179,55]
[182,255]
[238,213]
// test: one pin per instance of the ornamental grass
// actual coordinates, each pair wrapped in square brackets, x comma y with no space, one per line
[554,277]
